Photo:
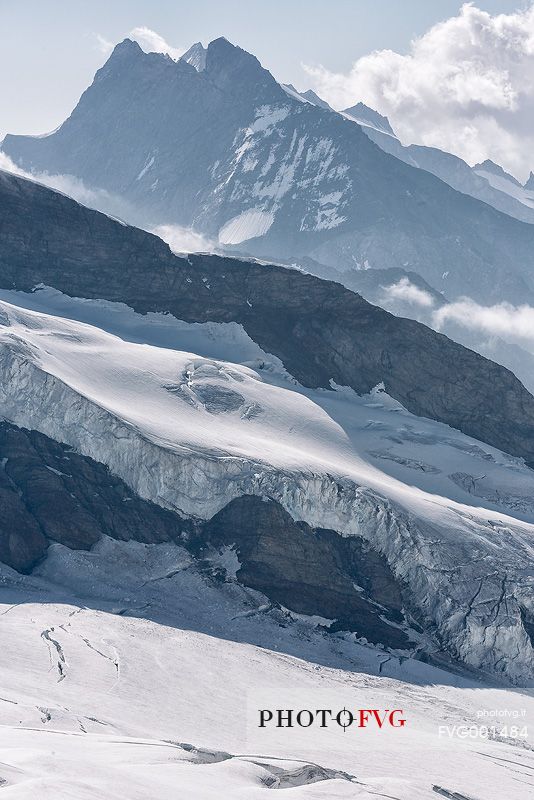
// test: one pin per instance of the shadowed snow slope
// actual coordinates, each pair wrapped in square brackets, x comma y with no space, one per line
[105,696]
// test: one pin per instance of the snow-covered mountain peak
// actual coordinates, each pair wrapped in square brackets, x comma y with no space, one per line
[228,482]
[368,116]
[505,183]
[196,56]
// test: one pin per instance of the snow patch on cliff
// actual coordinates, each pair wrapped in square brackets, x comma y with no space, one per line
[245,226]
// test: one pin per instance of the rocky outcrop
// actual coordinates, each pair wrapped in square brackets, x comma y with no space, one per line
[49,493]
[311,570]
[320,330]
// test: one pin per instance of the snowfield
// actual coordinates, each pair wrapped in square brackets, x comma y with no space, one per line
[191,432]
[132,671]
[245,226]
[126,673]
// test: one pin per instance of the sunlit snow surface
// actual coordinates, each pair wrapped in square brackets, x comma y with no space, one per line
[113,660]
[245,226]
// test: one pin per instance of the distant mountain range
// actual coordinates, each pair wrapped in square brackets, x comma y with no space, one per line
[213,142]
[487,181]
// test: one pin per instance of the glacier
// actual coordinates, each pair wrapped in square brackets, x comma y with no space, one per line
[191,430]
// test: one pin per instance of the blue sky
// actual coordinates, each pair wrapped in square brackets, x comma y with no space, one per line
[49,50]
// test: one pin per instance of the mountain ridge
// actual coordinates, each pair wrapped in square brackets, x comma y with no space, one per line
[324,332]
[284,176]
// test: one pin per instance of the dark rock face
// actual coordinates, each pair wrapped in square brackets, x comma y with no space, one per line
[319,329]
[50,493]
[200,148]
[370,283]
[22,542]
[311,571]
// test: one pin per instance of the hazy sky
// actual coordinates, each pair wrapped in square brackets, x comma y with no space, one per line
[461,88]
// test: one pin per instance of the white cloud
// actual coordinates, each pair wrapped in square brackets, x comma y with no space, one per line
[67,184]
[406,291]
[152,42]
[466,86]
[503,320]
[147,39]
[184,240]
[72,186]
[103,44]
[179,238]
